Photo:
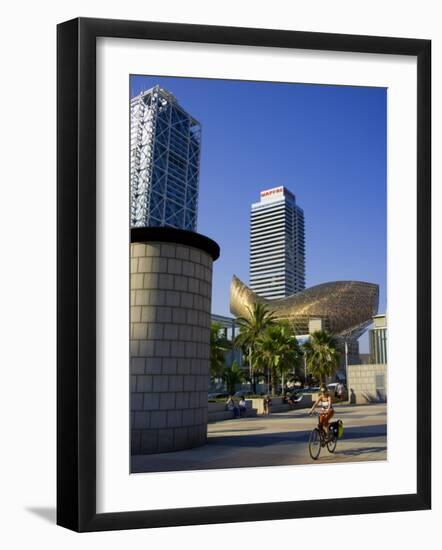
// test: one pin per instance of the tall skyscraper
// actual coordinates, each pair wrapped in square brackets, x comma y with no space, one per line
[164,164]
[277,245]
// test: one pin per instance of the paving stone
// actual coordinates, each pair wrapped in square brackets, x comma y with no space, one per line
[144,265]
[160,383]
[164,314]
[149,441]
[142,297]
[166,281]
[151,401]
[138,250]
[135,314]
[172,298]
[142,420]
[148,314]
[155,331]
[154,365]
[166,440]
[151,281]
[181,284]
[174,419]
[179,315]
[136,402]
[167,401]
[153,249]
[182,252]
[147,348]
[188,269]
[143,383]
[182,400]
[195,255]
[174,266]
[169,365]
[162,348]
[158,419]
[176,383]
[137,365]
[139,331]
[168,250]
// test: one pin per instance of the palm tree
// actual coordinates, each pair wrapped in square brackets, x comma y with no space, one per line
[279,352]
[251,327]
[233,376]
[321,355]
[218,347]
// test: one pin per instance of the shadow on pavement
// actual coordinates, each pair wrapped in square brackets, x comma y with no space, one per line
[237,430]
[359,452]
[266,439]
[228,450]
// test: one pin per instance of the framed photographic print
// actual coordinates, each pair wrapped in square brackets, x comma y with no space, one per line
[243,274]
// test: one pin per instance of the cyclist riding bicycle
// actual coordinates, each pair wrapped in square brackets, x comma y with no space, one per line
[324,401]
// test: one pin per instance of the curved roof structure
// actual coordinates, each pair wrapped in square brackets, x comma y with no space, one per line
[346,307]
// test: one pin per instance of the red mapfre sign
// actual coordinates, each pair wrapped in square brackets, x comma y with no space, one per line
[275,191]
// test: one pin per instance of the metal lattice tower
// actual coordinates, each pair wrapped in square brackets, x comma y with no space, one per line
[164,165]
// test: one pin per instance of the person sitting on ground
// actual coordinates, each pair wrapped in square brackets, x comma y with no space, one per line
[324,401]
[232,406]
[242,406]
[287,399]
[267,404]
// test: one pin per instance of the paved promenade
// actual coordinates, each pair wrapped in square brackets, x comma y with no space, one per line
[276,440]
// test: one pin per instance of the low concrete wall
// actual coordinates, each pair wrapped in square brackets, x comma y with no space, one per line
[279,406]
[367,383]
[219,411]
[306,401]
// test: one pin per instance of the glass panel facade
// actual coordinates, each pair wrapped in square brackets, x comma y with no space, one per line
[277,245]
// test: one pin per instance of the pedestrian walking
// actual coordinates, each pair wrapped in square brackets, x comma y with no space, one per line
[242,407]
[267,404]
[232,406]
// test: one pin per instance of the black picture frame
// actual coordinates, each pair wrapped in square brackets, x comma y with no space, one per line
[76,273]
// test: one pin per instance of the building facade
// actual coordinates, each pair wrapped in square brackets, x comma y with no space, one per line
[277,245]
[367,382]
[164,163]
[229,329]
[378,340]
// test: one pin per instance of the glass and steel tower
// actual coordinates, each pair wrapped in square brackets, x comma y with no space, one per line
[277,245]
[164,164]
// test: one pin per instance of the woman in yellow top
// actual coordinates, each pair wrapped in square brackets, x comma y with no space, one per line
[324,401]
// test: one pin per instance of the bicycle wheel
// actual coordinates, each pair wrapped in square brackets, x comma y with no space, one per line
[314,444]
[331,442]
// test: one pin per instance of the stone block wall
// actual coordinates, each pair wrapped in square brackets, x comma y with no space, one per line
[171,287]
[362,386]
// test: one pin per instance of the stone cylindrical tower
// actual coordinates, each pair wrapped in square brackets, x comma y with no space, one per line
[171,289]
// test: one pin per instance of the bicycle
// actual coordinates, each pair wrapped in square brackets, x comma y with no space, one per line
[319,439]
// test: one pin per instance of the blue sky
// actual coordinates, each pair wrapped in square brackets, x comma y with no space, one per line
[327,144]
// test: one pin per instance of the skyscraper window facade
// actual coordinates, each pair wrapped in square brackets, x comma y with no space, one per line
[164,163]
[277,245]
